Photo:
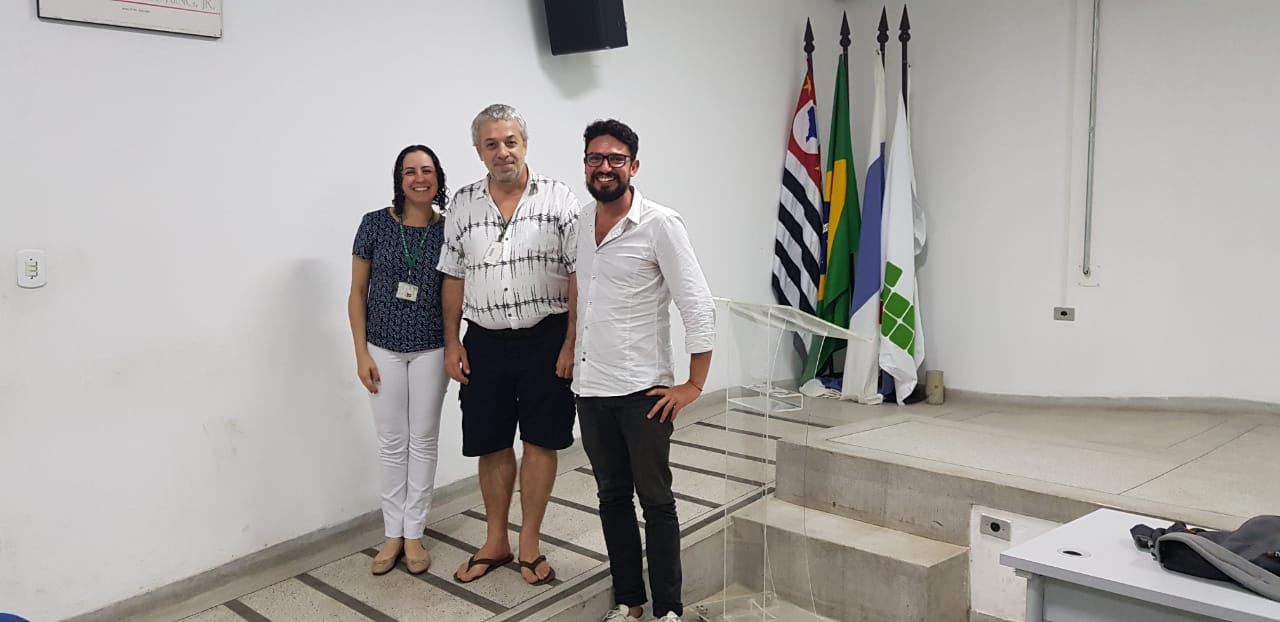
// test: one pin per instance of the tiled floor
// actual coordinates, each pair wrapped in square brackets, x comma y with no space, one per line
[1199,460]
[706,479]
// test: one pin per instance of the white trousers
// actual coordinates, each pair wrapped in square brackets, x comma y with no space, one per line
[406,414]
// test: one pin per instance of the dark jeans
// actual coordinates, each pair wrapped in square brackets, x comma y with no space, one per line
[630,454]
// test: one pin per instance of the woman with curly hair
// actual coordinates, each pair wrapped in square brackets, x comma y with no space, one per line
[396,324]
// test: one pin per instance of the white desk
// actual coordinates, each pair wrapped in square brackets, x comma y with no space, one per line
[1113,580]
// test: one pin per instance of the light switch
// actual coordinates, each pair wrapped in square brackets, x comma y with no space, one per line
[32,268]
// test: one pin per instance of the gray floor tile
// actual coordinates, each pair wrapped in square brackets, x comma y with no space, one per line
[720,439]
[572,525]
[576,487]
[397,594]
[773,426]
[1133,428]
[707,487]
[292,601]
[716,460]
[217,614]
[1238,478]
[979,448]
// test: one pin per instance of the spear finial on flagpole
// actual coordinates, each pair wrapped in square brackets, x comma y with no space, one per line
[844,36]
[883,37]
[808,44]
[904,36]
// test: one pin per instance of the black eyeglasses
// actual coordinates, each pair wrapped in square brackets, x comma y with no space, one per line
[615,159]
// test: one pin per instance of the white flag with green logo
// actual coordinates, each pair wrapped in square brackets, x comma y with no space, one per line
[902,238]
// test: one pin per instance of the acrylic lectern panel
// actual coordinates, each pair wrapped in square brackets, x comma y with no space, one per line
[767,557]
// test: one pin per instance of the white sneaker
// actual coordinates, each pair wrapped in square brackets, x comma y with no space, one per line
[670,617]
[621,613]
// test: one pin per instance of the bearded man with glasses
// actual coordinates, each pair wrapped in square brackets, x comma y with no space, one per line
[634,258]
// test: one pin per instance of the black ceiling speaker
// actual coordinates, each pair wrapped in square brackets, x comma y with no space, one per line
[585,25]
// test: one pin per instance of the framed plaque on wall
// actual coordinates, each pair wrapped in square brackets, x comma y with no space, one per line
[192,17]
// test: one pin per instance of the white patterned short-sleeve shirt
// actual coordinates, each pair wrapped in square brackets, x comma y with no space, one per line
[529,279]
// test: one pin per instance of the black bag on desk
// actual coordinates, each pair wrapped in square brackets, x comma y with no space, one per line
[1248,556]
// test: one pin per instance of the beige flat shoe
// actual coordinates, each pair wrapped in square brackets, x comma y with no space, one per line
[416,557]
[417,565]
[380,567]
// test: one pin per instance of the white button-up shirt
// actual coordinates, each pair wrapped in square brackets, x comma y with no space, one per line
[530,279]
[625,286]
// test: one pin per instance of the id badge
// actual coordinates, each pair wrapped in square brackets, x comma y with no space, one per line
[407,291]
[494,254]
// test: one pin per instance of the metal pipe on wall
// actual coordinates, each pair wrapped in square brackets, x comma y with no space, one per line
[1086,258]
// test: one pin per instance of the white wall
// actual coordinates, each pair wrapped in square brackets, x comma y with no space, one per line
[994,589]
[1181,299]
[182,392]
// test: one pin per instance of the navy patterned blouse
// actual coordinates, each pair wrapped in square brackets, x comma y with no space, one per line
[395,324]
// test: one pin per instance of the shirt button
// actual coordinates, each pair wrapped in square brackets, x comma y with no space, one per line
[584,359]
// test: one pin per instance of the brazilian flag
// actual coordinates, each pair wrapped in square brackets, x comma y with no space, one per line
[844,223]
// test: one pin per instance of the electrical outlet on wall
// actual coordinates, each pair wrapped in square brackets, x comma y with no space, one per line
[32,269]
[999,528]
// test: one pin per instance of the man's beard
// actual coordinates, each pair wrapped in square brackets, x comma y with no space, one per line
[608,195]
[509,177]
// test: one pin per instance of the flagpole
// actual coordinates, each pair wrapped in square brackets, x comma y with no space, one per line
[904,36]
[844,54]
[883,37]
[884,380]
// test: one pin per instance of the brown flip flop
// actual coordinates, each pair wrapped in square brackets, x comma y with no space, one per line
[490,565]
[532,567]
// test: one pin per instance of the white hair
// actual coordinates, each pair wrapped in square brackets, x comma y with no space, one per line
[497,112]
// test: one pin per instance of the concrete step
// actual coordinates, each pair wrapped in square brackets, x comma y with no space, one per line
[846,569]
[929,499]
[923,475]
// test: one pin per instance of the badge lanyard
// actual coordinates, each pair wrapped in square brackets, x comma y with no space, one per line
[502,235]
[412,260]
[494,254]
